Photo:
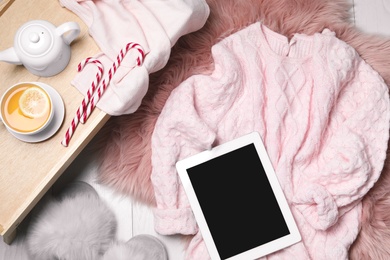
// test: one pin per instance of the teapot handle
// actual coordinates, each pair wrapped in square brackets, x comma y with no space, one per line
[69,31]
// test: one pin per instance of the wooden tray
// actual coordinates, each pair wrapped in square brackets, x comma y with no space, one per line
[28,170]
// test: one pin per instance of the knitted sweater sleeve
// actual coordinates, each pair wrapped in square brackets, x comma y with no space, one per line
[350,146]
[187,125]
[176,140]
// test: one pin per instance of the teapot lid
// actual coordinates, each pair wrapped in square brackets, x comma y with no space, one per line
[35,39]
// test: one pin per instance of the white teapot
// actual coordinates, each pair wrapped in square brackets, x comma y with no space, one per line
[41,47]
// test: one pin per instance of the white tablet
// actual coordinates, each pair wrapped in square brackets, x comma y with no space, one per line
[237,200]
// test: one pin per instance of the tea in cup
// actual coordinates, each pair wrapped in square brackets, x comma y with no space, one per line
[26,108]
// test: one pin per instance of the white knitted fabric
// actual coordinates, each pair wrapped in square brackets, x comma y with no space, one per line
[154,24]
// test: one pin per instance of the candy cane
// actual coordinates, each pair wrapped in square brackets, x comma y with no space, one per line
[100,90]
[83,106]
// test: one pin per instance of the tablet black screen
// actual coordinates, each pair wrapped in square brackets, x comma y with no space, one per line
[237,201]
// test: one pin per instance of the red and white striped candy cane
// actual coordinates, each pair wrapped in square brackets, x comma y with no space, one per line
[100,90]
[83,106]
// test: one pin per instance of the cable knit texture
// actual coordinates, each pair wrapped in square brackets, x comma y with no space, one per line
[322,112]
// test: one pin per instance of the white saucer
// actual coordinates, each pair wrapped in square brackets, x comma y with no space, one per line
[58,117]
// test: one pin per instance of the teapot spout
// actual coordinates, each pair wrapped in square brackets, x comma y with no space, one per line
[9,55]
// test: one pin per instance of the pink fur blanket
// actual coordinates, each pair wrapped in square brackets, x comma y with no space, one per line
[124,142]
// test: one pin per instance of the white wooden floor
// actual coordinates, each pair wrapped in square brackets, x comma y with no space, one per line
[372,16]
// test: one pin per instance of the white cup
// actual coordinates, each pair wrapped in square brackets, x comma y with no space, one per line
[13,117]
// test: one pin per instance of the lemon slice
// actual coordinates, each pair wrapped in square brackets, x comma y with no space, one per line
[34,102]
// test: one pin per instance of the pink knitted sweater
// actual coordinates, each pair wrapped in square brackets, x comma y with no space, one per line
[322,112]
